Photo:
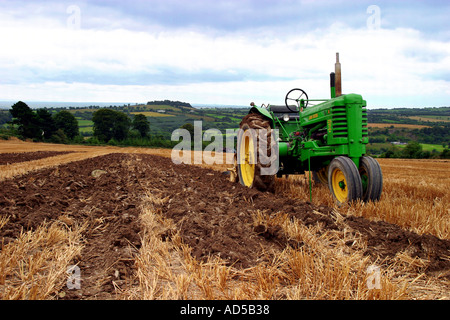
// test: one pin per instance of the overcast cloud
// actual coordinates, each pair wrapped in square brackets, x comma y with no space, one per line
[394,53]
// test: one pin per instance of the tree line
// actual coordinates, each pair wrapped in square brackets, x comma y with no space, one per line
[41,125]
[169,103]
[414,150]
[431,135]
[62,127]
[117,128]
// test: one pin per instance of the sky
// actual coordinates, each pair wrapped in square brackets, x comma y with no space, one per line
[393,53]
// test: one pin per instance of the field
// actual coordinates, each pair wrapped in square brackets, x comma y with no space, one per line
[425,146]
[163,119]
[428,147]
[137,226]
[153,114]
[431,118]
[396,125]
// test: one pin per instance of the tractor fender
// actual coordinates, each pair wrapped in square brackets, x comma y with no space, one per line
[263,111]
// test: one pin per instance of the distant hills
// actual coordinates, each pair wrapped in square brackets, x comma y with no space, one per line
[387,127]
[164,116]
[169,103]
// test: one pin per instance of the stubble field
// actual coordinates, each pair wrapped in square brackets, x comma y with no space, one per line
[137,226]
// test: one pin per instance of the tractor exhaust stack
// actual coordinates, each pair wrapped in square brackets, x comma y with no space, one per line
[337,70]
[333,85]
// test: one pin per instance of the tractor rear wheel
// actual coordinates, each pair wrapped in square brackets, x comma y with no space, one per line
[250,162]
[371,178]
[344,180]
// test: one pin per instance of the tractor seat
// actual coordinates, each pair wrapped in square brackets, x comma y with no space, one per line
[283,109]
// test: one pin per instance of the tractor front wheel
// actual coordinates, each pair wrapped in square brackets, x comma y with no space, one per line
[344,180]
[371,178]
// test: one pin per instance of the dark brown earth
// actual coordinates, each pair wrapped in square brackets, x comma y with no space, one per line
[9,158]
[108,203]
[212,215]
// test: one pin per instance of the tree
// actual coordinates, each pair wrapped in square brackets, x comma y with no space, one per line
[46,123]
[59,137]
[141,124]
[392,152]
[26,120]
[5,117]
[445,154]
[121,126]
[67,122]
[412,150]
[109,124]
[189,127]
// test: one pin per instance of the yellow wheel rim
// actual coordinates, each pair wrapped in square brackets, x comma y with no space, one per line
[247,160]
[339,185]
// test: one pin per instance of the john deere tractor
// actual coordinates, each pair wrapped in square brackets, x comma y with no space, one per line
[326,137]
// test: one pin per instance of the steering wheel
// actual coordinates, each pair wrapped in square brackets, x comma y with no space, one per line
[296,95]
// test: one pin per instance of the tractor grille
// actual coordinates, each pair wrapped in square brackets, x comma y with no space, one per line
[365,130]
[340,126]
[339,117]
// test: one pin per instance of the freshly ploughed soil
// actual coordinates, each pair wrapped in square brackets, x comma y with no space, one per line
[108,202]
[9,158]
[212,215]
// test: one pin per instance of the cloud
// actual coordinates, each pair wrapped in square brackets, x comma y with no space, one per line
[218,52]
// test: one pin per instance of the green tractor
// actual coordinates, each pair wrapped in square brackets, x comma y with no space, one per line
[327,137]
